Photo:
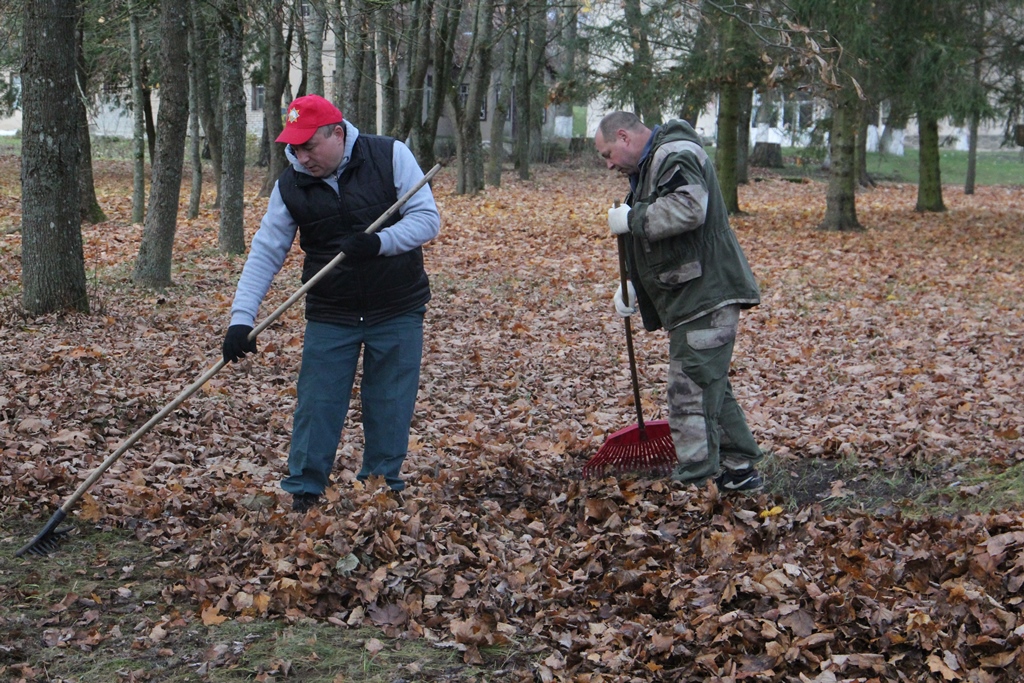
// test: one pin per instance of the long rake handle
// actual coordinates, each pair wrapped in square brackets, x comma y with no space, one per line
[205,377]
[624,279]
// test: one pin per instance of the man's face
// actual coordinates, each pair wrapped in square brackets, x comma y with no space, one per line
[322,155]
[621,153]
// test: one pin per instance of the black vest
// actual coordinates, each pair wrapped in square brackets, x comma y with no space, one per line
[378,288]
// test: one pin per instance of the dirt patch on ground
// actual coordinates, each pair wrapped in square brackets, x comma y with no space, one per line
[837,484]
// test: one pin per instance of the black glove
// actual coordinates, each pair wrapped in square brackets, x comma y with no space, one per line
[361,246]
[237,344]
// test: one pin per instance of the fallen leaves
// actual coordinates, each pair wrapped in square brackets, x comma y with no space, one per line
[889,347]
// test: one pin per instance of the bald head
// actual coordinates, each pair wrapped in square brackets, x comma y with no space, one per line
[620,140]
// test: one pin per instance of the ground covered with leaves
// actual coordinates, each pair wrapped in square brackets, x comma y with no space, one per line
[882,372]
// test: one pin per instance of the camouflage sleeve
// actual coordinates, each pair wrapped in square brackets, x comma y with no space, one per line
[679,189]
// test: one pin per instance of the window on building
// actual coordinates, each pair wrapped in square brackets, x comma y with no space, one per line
[258,97]
[464,97]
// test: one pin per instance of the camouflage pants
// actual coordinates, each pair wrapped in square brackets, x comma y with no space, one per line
[708,427]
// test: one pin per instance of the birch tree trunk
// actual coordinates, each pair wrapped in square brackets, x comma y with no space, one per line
[52,262]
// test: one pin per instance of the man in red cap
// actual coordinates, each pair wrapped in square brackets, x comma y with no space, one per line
[340,181]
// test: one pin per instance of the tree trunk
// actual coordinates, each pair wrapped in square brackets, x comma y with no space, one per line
[895,120]
[841,197]
[360,68]
[569,43]
[470,161]
[387,70]
[419,59]
[153,267]
[972,154]
[147,110]
[336,17]
[767,155]
[863,178]
[315,50]
[196,194]
[231,238]
[725,154]
[502,93]
[929,185]
[139,134]
[425,134]
[88,206]
[743,135]
[646,100]
[537,52]
[209,85]
[278,61]
[52,261]
[521,98]
[528,87]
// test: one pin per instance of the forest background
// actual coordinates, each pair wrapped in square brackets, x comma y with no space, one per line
[881,372]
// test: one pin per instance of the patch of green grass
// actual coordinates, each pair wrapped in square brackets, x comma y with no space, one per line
[10,144]
[310,651]
[807,481]
[1004,167]
[914,489]
[117,589]
[989,487]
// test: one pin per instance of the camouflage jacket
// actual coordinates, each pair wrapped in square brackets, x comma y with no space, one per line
[685,260]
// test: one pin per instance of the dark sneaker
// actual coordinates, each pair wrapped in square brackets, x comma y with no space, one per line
[302,502]
[745,481]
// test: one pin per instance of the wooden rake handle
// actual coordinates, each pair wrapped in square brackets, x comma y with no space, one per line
[205,377]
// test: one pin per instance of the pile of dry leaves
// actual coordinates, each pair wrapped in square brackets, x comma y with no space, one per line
[896,349]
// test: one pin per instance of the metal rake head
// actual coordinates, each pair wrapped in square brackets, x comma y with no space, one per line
[47,540]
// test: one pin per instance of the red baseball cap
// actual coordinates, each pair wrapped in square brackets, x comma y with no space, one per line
[305,115]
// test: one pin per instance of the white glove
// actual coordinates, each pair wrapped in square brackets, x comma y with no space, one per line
[618,219]
[620,307]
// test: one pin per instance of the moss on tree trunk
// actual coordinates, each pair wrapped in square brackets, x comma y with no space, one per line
[840,207]
[929,185]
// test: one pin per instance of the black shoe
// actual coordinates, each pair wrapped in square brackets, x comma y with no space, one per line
[745,481]
[301,502]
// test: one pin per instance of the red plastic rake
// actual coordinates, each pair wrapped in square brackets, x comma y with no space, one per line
[637,448]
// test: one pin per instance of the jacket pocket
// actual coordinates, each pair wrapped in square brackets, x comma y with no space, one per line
[680,275]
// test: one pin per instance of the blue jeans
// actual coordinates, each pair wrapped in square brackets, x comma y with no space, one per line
[392,351]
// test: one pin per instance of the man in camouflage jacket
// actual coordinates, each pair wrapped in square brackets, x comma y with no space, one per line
[689,276]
